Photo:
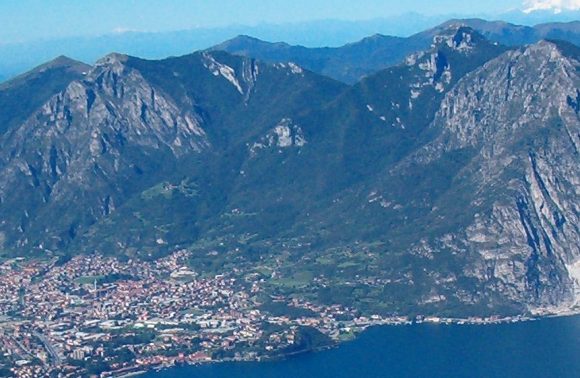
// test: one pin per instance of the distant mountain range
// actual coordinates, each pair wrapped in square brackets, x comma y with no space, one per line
[444,184]
[16,58]
[353,61]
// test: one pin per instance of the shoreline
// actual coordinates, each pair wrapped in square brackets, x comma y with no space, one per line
[427,320]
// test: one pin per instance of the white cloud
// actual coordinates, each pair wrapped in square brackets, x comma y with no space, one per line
[554,5]
[122,29]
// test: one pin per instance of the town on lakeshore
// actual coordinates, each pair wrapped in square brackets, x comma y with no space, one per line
[99,316]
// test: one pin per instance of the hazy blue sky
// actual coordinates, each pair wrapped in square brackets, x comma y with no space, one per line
[23,20]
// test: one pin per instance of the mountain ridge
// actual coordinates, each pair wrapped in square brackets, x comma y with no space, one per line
[22,94]
[452,174]
[377,52]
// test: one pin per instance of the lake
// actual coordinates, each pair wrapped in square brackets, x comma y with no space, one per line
[543,348]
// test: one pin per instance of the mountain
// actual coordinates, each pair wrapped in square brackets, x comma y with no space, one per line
[19,57]
[481,194]
[115,132]
[347,63]
[336,204]
[16,58]
[517,35]
[510,142]
[444,185]
[23,94]
[354,61]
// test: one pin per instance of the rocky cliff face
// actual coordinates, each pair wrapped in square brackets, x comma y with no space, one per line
[24,94]
[80,154]
[482,210]
[517,118]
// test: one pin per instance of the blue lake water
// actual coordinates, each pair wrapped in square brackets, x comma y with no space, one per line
[543,348]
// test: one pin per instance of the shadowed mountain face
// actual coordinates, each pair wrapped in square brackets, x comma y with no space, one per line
[446,184]
[354,61]
[23,94]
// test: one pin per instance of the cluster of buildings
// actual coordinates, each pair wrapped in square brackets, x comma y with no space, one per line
[97,315]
